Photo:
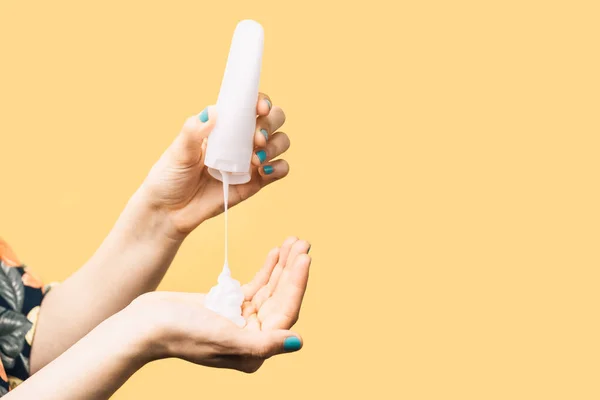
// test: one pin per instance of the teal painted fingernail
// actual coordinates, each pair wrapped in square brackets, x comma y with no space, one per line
[262,156]
[268,169]
[204,115]
[269,103]
[292,343]
[265,133]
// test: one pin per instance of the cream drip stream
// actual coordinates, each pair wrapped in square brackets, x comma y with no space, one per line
[226,297]
[226,205]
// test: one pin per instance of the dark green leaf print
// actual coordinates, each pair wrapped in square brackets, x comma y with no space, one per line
[25,362]
[11,286]
[21,295]
[13,328]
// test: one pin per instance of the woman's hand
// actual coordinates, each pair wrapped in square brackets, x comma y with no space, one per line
[178,324]
[177,195]
[274,297]
[159,325]
[179,185]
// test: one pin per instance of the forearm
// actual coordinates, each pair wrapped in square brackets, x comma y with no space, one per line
[92,369]
[132,260]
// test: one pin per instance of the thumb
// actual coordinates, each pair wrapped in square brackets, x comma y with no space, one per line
[189,146]
[268,344]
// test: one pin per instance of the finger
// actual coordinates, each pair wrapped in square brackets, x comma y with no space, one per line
[274,120]
[266,125]
[248,309]
[203,150]
[252,323]
[290,291]
[261,136]
[266,344]
[286,247]
[270,123]
[279,144]
[263,105]
[281,282]
[260,297]
[187,147]
[299,247]
[273,171]
[265,292]
[262,276]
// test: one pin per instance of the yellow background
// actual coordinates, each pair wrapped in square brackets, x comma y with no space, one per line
[444,165]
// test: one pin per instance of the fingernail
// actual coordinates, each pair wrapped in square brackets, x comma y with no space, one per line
[268,169]
[265,133]
[308,251]
[292,343]
[262,156]
[269,103]
[204,115]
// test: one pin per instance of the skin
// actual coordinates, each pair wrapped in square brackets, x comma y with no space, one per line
[176,197]
[161,325]
[179,184]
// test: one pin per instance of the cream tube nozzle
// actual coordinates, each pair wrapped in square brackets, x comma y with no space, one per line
[231,142]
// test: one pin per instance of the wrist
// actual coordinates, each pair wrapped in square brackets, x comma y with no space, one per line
[141,327]
[122,339]
[145,222]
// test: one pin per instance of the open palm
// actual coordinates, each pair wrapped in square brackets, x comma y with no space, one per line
[274,297]
[180,326]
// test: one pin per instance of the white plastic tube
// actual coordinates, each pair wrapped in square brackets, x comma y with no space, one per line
[230,144]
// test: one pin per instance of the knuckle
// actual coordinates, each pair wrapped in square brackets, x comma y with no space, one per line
[274,252]
[282,165]
[291,239]
[295,317]
[280,113]
[301,245]
[260,351]
[265,124]
[285,142]
[280,142]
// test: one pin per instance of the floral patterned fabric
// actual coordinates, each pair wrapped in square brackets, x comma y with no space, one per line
[21,295]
